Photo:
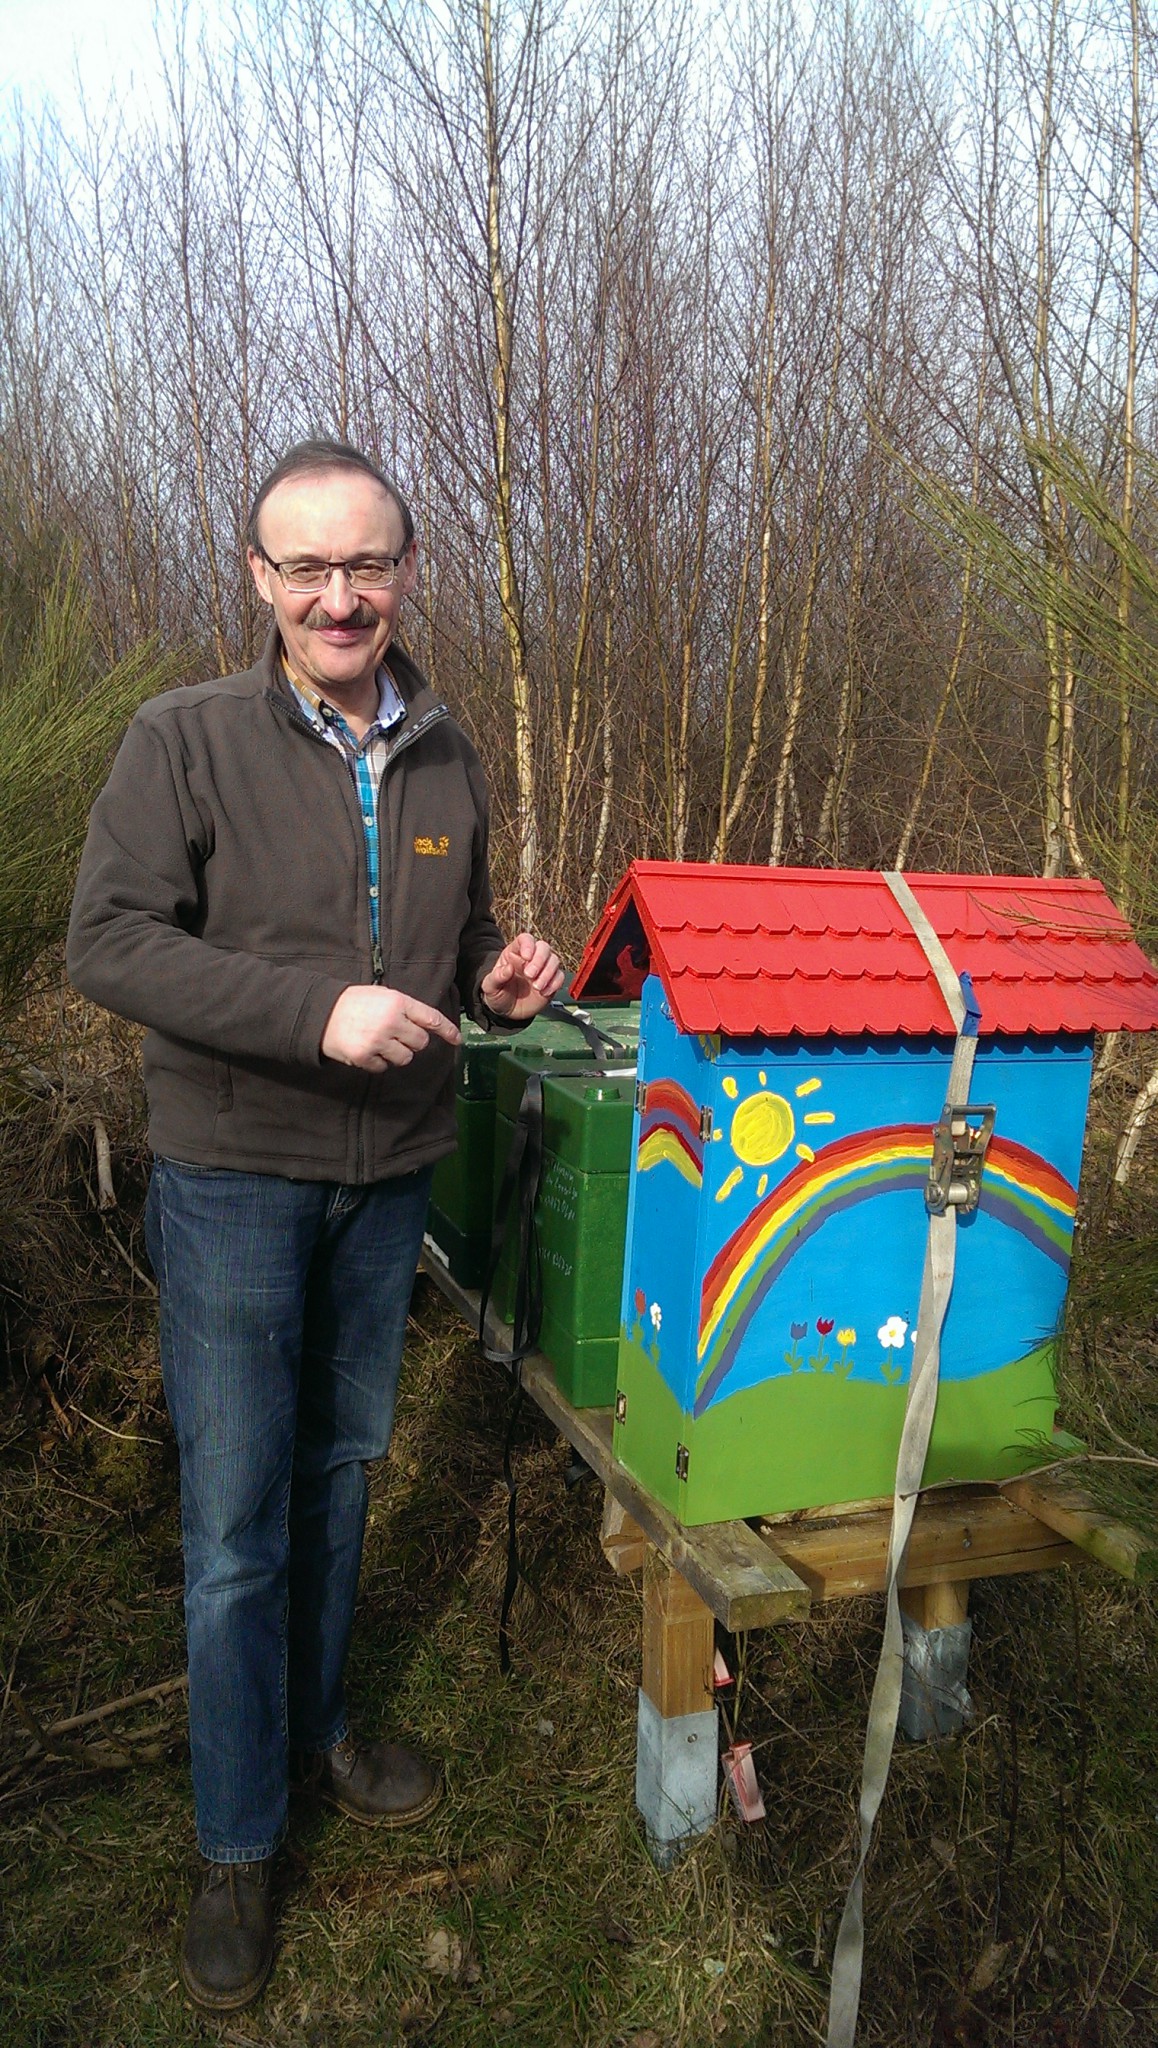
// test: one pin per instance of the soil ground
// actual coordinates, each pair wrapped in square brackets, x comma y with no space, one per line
[1012,1895]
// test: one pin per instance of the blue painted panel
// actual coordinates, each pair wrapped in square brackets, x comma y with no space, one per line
[812,1208]
[859,1280]
[663,1223]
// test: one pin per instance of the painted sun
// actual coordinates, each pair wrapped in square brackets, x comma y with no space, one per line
[763,1127]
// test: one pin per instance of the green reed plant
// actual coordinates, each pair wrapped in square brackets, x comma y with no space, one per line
[61,713]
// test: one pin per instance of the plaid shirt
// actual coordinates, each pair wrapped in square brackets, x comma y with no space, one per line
[366,761]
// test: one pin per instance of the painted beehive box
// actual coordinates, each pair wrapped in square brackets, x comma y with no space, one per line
[794,1059]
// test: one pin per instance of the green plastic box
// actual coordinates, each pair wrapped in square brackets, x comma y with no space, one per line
[459,1220]
[581,1216]
[458,1225]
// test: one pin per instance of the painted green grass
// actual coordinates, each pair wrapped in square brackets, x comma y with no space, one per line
[806,1439]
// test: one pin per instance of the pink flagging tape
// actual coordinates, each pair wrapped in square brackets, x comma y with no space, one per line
[743,1783]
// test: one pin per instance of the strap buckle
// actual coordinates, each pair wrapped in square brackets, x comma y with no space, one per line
[959,1148]
[599,1042]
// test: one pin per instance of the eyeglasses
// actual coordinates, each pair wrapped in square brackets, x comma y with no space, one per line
[369,572]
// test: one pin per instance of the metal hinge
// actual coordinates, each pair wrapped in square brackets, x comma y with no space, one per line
[705,1123]
[681,1461]
[959,1148]
[621,1407]
[640,1094]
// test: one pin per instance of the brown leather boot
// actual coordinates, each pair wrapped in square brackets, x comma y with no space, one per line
[228,1946]
[382,1785]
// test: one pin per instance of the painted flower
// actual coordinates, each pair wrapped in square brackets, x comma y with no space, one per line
[892,1333]
[656,1314]
[845,1338]
[640,1301]
[824,1325]
[798,1329]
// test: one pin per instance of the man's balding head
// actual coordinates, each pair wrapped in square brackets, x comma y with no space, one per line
[320,457]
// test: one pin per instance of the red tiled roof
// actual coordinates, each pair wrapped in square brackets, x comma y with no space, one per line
[771,951]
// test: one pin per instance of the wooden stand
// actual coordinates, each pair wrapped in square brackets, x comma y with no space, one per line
[677,1745]
[752,1578]
[938,1637]
[943,1606]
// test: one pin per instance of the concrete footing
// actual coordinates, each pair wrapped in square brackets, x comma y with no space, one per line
[934,1696]
[676,1777]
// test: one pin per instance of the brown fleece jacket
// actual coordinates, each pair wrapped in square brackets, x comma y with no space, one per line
[223,902]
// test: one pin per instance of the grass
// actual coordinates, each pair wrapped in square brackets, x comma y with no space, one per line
[1012,1895]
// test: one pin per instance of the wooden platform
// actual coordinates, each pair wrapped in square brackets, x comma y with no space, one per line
[737,1576]
[959,1533]
[753,1577]
[748,1577]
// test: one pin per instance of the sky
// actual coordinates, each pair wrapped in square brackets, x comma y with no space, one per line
[45,43]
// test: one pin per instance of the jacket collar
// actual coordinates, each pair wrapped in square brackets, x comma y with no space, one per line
[415,692]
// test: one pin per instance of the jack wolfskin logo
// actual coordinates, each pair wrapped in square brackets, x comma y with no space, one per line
[424,844]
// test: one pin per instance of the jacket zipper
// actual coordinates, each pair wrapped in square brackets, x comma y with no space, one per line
[407,739]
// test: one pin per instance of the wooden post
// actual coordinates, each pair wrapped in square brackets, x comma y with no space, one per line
[938,1633]
[939,1606]
[623,1541]
[676,1765]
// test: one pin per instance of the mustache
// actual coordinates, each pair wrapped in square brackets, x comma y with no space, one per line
[319,618]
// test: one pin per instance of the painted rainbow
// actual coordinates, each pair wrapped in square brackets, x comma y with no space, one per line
[1018,1187]
[669,1132]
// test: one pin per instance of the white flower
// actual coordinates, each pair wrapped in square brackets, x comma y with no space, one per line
[892,1334]
[656,1314]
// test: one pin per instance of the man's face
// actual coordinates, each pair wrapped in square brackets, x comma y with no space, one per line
[334,638]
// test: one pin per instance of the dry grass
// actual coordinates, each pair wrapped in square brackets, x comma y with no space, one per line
[1012,1896]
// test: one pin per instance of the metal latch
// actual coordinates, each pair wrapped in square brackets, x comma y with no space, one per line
[621,1407]
[705,1123]
[960,1142]
[640,1094]
[681,1461]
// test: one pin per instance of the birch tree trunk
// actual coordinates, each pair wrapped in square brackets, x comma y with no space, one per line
[963,621]
[794,698]
[1125,719]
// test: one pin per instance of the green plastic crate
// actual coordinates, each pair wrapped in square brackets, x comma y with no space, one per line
[581,1220]
[462,1196]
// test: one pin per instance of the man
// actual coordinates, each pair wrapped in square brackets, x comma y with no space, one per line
[285,880]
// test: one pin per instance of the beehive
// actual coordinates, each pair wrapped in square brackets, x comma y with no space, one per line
[794,1059]
[458,1225]
[581,1211]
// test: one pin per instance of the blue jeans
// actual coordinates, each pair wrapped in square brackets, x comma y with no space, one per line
[283,1313]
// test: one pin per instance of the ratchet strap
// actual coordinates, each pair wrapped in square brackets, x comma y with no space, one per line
[954,1182]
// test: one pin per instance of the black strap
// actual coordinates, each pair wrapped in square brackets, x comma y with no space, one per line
[511,1582]
[521,1172]
[600,1041]
[520,1176]
[515,1207]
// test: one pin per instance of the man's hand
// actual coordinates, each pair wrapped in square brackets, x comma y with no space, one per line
[378,1028]
[523,979]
